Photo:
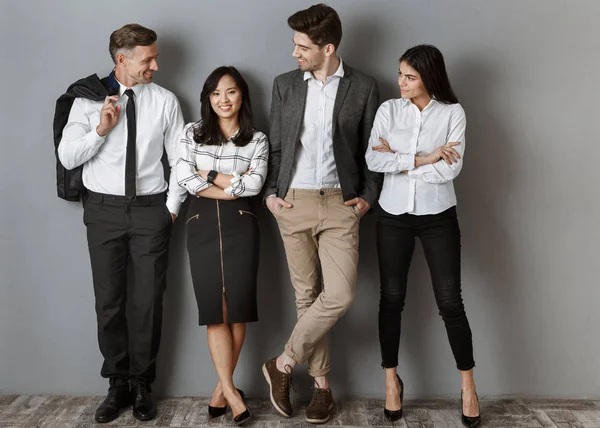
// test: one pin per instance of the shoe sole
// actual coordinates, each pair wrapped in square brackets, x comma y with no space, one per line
[144,418]
[108,420]
[105,421]
[317,421]
[268,379]
[320,421]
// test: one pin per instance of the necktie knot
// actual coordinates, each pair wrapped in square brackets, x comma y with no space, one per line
[129,93]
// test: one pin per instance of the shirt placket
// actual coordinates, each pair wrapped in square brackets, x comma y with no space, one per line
[321,139]
[217,162]
[415,144]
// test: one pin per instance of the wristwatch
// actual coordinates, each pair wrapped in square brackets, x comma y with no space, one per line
[210,177]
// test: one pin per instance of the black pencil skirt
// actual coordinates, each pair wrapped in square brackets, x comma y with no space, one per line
[223,247]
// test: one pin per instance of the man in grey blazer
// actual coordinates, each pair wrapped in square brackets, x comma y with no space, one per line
[318,188]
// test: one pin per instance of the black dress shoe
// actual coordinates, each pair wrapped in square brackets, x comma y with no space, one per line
[470,421]
[394,415]
[117,399]
[245,416]
[143,407]
[215,412]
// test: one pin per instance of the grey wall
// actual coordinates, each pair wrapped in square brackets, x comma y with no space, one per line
[526,72]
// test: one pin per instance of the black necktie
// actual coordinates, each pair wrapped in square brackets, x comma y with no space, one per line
[130,162]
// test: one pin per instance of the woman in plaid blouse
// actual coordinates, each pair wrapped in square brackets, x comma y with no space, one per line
[223,163]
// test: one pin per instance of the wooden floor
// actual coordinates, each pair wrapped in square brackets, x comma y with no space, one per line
[59,411]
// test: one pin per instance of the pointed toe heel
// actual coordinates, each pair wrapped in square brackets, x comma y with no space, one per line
[394,415]
[470,421]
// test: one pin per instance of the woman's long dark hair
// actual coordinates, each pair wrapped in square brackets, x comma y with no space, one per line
[428,61]
[209,132]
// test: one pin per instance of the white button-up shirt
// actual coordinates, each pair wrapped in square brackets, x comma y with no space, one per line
[315,165]
[159,123]
[427,189]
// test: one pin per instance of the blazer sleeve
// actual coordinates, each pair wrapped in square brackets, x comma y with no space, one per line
[274,143]
[372,180]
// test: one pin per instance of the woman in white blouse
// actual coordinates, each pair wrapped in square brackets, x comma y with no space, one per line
[223,162]
[418,142]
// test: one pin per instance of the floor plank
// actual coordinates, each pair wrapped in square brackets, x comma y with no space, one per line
[61,411]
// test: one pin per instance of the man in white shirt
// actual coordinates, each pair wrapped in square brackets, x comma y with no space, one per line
[128,213]
[318,188]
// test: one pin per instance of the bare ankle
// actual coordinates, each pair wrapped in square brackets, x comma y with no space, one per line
[284,363]
[321,382]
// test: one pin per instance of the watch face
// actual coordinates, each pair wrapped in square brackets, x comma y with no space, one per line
[211,176]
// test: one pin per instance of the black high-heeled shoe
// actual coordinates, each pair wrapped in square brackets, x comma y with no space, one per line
[245,416]
[470,421]
[394,415]
[215,412]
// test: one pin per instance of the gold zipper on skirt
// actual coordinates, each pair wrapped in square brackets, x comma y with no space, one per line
[247,212]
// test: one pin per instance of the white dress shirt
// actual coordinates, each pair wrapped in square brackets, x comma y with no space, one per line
[247,164]
[427,189]
[315,165]
[159,122]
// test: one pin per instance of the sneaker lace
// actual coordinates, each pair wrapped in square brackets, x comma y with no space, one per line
[320,396]
[286,380]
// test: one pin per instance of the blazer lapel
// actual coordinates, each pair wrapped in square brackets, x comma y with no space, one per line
[298,99]
[339,101]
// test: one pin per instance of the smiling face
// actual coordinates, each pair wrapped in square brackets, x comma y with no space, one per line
[138,65]
[310,57]
[226,99]
[411,85]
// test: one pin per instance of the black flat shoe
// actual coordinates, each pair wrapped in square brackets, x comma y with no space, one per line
[394,415]
[470,421]
[215,412]
[245,416]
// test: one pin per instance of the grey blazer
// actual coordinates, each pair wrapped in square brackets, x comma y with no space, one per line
[354,111]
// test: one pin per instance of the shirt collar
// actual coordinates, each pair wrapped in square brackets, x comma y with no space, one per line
[235,134]
[338,73]
[408,103]
[137,89]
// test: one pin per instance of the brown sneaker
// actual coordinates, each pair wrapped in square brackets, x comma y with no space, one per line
[279,385]
[321,404]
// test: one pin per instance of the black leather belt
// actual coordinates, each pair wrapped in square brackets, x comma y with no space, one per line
[158,198]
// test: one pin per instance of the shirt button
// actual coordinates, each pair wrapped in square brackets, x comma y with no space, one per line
[321,193]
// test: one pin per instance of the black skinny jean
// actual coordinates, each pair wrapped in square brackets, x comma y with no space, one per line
[440,238]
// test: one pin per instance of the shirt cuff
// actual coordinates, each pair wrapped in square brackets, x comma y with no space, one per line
[416,172]
[407,162]
[173,205]
[236,178]
[94,139]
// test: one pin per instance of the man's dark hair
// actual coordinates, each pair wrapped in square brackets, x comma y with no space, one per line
[320,23]
[128,37]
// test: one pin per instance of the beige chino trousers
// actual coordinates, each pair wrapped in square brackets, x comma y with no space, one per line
[320,236]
